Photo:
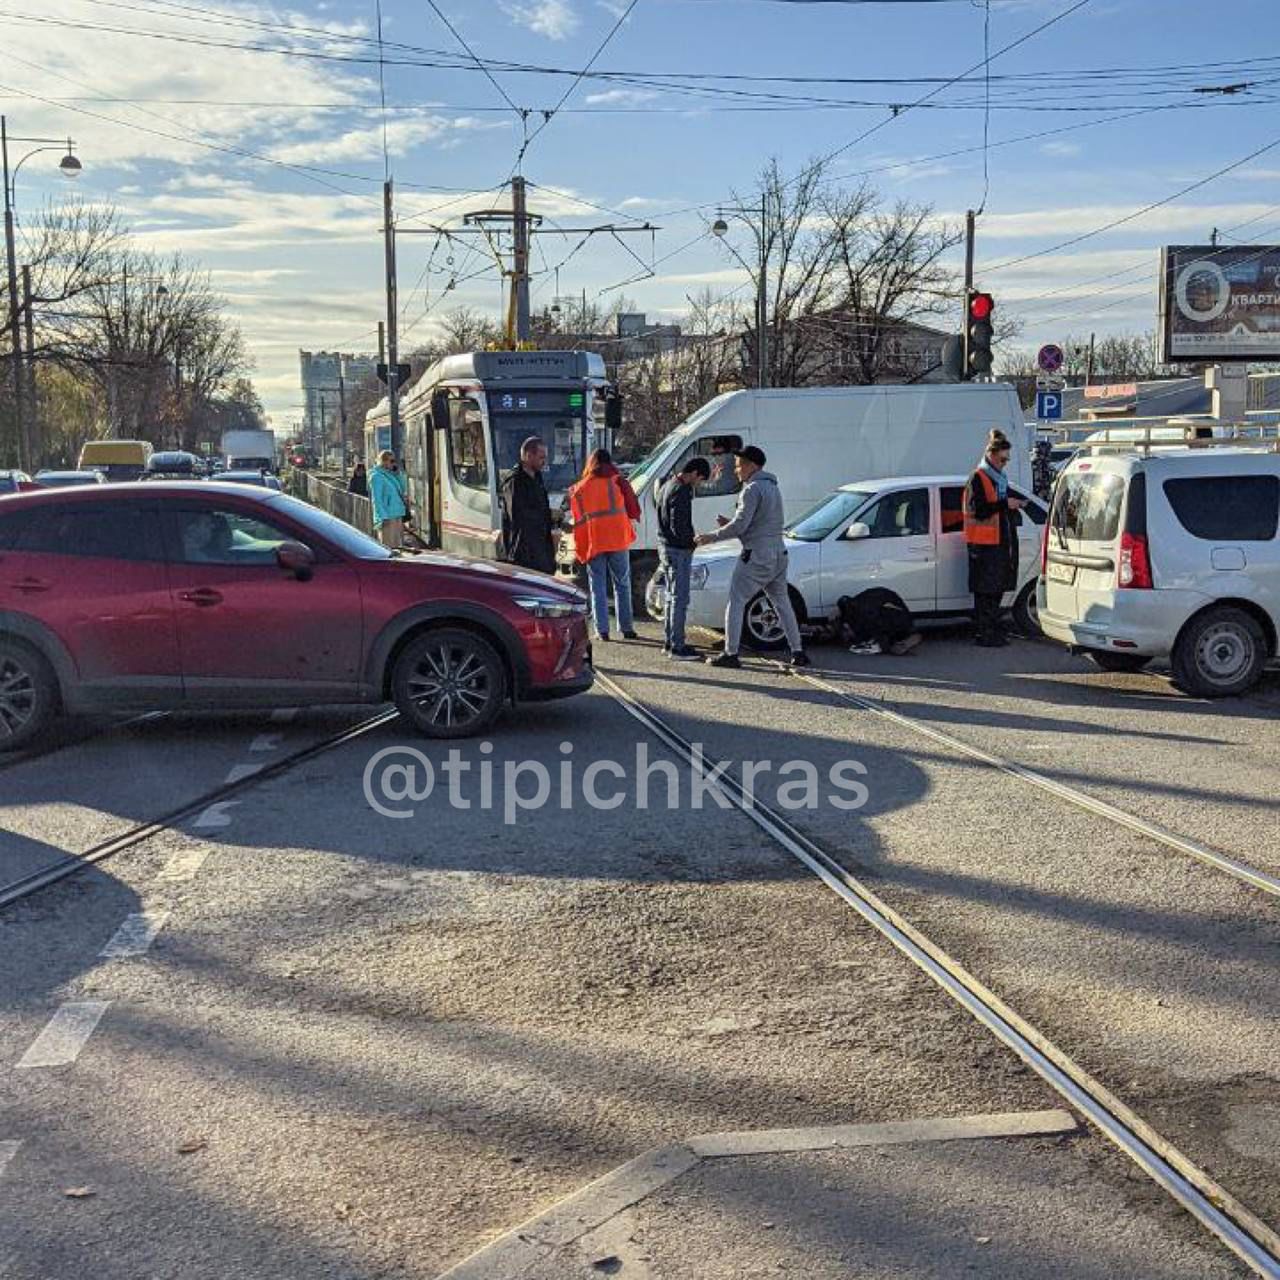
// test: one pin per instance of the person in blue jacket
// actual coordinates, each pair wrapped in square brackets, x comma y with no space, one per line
[386,492]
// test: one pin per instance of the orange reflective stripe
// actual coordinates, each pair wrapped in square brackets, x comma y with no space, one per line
[984,532]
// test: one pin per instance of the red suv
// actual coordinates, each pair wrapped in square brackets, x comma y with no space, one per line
[189,596]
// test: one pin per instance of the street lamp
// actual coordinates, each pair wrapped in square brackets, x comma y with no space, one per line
[759,275]
[70,166]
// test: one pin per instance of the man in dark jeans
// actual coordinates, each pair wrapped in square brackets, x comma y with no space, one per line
[527,536]
[675,550]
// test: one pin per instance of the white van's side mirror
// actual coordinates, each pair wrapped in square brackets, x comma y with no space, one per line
[857,531]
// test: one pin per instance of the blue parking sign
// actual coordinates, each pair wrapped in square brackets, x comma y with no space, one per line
[1049,405]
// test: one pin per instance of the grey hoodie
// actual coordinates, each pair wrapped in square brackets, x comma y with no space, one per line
[757,523]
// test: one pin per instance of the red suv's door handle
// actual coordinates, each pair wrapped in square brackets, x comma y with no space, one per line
[202,597]
[31,585]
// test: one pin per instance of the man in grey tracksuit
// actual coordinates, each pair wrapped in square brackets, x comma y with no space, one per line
[762,566]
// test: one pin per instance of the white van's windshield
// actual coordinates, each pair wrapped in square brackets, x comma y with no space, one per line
[667,447]
[821,521]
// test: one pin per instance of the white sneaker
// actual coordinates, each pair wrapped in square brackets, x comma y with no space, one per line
[866,647]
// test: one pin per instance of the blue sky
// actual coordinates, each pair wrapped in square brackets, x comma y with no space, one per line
[298,254]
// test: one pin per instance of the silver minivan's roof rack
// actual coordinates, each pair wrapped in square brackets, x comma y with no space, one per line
[1182,435]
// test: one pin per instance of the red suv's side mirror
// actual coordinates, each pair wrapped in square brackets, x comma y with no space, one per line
[296,558]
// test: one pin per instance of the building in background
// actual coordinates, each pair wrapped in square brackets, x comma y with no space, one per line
[328,378]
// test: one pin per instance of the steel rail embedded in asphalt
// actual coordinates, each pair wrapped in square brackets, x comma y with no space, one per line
[1246,1235]
[75,863]
[1170,839]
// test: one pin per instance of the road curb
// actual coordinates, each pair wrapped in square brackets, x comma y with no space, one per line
[511,1254]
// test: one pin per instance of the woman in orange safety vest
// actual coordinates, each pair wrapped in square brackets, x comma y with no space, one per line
[603,506]
[991,539]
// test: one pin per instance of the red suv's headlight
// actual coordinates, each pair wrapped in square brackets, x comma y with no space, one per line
[551,607]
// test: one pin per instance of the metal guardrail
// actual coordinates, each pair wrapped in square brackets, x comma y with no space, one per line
[352,508]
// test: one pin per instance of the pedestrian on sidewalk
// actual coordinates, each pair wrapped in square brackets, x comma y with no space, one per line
[603,506]
[762,566]
[386,492]
[675,551]
[528,530]
[991,539]
[359,482]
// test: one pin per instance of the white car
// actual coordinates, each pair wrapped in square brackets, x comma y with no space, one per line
[1171,553]
[905,534]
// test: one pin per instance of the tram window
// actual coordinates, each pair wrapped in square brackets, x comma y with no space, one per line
[468,458]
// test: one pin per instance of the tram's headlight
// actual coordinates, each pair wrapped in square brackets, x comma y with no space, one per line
[551,607]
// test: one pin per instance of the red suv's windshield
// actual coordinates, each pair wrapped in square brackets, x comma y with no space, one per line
[341,535]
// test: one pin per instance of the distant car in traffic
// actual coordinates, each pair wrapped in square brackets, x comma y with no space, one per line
[174,464]
[16,482]
[904,534]
[179,596]
[64,479]
[264,479]
[1168,552]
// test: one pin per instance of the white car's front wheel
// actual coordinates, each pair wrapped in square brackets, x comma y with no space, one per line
[761,626]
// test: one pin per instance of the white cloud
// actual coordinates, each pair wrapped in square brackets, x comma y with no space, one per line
[620,97]
[1061,149]
[555,19]
[402,135]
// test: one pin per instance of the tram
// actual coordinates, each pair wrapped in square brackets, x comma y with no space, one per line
[464,420]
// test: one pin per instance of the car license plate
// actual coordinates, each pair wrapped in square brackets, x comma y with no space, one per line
[1064,573]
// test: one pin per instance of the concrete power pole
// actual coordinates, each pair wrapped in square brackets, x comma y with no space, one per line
[518,312]
[342,419]
[393,307]
[34,448]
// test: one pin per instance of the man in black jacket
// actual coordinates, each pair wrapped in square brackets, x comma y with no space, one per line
[527,537]
[675,550]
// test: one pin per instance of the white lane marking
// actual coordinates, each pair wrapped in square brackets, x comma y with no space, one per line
[215,816]
[242,771]
[8,1149]
[283,715]
[65,1034]
[266,742]
[135,936]
[183,866]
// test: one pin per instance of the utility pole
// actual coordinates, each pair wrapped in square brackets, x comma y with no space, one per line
[324,434]
[342,418]
[1088,369]
[518,308]
[762,298]
[382,343]
[33,429]
[15,345]
[393,307]
[969,236]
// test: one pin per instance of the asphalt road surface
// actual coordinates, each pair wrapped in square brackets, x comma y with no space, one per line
[296,1036]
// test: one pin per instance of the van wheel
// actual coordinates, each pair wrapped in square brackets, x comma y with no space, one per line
[1219,653]
[1106,660]
[761,626]
[449,683]
[1026,611]
[642,570]
[28,694]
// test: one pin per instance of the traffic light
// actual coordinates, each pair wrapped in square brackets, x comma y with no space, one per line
[979,334]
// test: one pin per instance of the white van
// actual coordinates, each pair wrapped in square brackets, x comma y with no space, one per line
[818,437]
[1172,553]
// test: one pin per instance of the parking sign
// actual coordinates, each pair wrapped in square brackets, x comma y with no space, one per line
[1049,405]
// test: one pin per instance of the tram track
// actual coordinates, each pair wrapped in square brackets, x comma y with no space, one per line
[1194,1189]
[73,864]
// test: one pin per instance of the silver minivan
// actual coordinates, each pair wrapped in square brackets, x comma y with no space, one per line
[1171,553]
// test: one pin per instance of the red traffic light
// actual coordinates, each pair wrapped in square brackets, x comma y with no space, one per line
[981,305]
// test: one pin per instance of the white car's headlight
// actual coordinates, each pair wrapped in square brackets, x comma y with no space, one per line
[549,607]
[698,575]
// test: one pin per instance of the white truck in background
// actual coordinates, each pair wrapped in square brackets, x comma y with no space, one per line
[249,450]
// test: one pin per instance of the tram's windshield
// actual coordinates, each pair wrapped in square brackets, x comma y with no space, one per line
[558,417]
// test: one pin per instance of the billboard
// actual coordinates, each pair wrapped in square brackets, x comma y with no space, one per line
[1220,303]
